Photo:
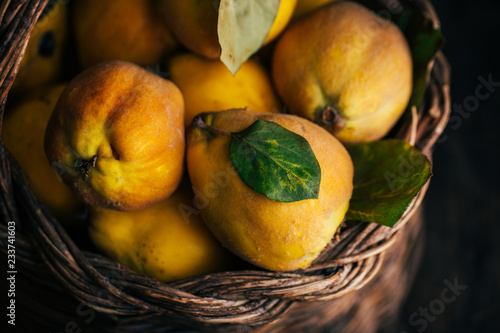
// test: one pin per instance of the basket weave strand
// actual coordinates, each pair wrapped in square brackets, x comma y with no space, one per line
[53,265]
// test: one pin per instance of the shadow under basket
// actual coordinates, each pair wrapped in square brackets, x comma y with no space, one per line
[357,285]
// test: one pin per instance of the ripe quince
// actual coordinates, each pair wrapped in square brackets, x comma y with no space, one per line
[167,241]
[280,236]
[127,30]
[116,136]
[345,68]
[23,132]
[194,23]
[207,85]
[305,7]
[42,63]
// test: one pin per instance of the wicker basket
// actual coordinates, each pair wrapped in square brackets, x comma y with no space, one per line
[58,284]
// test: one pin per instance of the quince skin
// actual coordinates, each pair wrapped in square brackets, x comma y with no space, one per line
[207,85]
[167,241]
[274,235]
[345,68]
[116,136]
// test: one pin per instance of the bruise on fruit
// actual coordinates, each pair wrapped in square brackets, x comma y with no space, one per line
[47,44]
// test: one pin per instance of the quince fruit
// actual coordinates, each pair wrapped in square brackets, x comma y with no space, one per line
[207,85]
[23,132]
[127,30]
[194,23]
[345,68]
[279,236]
[116,136]
[43,58]
[305,7]
[282,18]
[167,241]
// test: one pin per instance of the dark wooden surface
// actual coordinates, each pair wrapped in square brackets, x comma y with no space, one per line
[462,206]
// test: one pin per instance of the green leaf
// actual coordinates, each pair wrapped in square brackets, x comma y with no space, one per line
[275,162]
[242,28]
[424,41]
[388,174]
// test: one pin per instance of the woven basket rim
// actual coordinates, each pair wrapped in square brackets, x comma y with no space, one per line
[254,297]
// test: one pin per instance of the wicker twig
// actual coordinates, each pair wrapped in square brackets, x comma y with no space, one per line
[52,261]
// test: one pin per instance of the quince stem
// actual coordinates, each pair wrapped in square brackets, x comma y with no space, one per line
[330,117]
[199,121]
[83,166]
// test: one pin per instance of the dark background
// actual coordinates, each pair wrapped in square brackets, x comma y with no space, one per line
[461,208]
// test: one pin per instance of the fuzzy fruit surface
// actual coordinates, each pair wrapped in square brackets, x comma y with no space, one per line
[207,85]
[116,136]
[352,75]
[274,235]
[167,241]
